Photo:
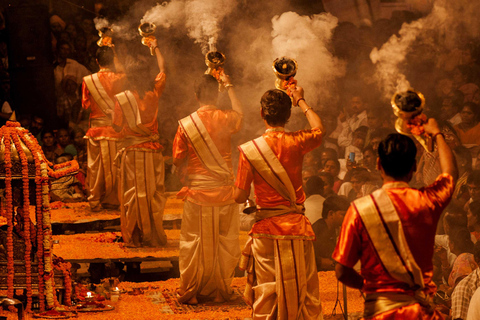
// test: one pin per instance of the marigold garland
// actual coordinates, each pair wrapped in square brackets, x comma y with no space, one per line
[26,220]
[12,132]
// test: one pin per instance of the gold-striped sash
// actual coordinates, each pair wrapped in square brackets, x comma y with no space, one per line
[99,94]
[130,110]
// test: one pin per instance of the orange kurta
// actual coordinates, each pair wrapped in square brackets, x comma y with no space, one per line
[289,147]
[148,107]
[113,83]
[221,125]
[419,212]
[471,136]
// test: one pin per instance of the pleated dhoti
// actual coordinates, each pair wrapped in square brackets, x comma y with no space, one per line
[142,198]
[285,280]
[209,251]
[101,177]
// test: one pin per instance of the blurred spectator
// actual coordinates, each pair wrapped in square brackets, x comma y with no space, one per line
[307,172]
[450,109]
[37,128]
[314,203]
[462,246]
[326,231]
[57,25]
[473,216]
[473,185]
[462,81]
[357,118]
[465,289]
[328,182]
[67,188]
[358,143]
[327,154]
[332,166]
[64,143]
[464,165]
[469,129]
[69,103]
[49,147]
[65,66]
[375,119]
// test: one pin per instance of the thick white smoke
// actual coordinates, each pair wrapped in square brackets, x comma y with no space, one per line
[203,19]
[166,15]
[307,40]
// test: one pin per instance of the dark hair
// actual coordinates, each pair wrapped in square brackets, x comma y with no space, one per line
[47,131]
[369,148]
[314,185]
[328,176]
[474,207]
[457,98]
[474,177]
[276,106]
[397,155]
[63,42]
[360,173]
[462,240]
[362,130]
[337,163]
[474,107]
[206,89]
[334,203]
[105,56]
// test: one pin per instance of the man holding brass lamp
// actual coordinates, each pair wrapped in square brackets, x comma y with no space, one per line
[209,248]
[99,90]
[282,281]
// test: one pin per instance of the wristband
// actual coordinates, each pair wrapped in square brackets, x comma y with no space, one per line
[228,85]
[436,134]
[306,110]
[298,101]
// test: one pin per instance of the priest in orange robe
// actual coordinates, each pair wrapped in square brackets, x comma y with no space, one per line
[99,90]
[142,170]
[392,231]
[279,257]
[202,152]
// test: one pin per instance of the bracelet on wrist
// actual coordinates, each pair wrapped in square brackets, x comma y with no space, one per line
[437,134]
[306,110]
[298,101]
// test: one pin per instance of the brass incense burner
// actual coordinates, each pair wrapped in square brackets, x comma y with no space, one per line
[215,61]
[406,106]
[285,69]
[147,31]
[249,207]
[105,35]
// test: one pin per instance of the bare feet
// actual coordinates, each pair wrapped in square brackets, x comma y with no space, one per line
[218,298]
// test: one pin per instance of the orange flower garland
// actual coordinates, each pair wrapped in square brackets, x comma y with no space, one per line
[26,220]
[12,132]
[64,267]
[9,212]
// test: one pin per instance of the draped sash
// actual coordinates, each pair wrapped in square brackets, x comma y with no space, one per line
[204,147]
[385,229]
[131,111]
[99,94]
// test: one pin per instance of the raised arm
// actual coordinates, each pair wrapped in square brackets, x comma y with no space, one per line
[447,159]
[313,119]
[158,55]
[236,104]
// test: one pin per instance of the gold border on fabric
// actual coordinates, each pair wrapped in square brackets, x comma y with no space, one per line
[378,303]
[289,277]
[100,122]
[281,237]
[204,146]
[98,92]
[372,219]
[130,109]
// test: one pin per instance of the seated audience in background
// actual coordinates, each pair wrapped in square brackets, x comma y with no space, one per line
[37,128]
[358,143]
[67,188]
[49,147]
[375,118]
[63,139]
[329,121]
[473,216]
[328,182]
[454,219]
[469,129]
[332,166]
[314,204]
[465,289]
[307,172]
[358,117]
[462,246]
[357,184]
[327,154]
[377,136]
[326,230]
[450,109]
[474,307]
[464,165]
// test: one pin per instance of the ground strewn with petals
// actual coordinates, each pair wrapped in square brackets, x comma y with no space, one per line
[143,307]
[101,246]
